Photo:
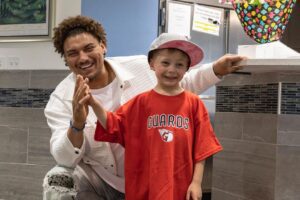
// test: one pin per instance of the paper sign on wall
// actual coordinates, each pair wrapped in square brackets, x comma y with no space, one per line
[206,20]
[225,1]
[179,19]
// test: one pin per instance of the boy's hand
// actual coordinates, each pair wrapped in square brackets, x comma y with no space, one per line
[194,191]
[86,98]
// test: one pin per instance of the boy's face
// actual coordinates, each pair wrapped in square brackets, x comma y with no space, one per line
[170,66]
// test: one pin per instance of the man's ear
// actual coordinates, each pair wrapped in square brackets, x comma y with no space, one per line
[103,47]
[66,64]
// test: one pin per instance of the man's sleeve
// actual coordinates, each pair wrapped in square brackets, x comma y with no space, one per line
[199,79]
[58,115]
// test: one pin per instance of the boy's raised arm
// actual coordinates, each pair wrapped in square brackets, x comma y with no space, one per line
[95,104]
[98,110]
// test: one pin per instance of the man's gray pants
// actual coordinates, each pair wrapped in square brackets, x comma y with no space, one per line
[62,183]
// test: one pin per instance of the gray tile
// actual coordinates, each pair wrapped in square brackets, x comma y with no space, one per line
[21,181]
[39,147]
[228,125]
[255,161]
[289,78]
[290,138]
[14,79]
[249,79]
[223,195]
[237,186]
[287,123]
[47,79]
[287,175]
[260,128]
[264,78]
[22,117]
[230,160]
[13,144]
[234,79]
[207,175]
[245,169]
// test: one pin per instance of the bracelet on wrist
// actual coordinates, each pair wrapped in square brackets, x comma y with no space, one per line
[75,129]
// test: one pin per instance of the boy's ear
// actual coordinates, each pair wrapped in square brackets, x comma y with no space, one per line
[151,64]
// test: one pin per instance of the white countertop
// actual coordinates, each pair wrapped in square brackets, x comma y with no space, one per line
[270,65]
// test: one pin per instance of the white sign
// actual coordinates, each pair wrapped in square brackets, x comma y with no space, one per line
[225,1]
[179,19]
[207,20]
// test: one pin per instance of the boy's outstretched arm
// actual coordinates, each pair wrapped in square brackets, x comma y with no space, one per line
[98,110]
[96,106]
[194,191]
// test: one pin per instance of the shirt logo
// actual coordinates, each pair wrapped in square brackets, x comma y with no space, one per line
[166,135]
[168,120]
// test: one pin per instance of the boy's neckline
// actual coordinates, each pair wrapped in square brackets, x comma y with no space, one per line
[167,93]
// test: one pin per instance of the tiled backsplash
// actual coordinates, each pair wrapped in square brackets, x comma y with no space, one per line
[247,98]
[261,98]
[28,98]
[290,98]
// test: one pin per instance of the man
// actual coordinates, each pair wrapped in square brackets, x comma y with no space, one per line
[99,166]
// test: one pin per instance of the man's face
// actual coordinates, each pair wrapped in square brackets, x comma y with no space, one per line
[85,56]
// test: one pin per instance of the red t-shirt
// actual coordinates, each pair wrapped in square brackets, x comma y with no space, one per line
[163,136]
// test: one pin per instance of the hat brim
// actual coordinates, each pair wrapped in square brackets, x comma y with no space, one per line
[192,50]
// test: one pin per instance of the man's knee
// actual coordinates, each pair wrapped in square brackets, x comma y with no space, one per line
[59,184]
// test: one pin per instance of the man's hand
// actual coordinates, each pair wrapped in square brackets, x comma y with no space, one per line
[227,64]
[80,109]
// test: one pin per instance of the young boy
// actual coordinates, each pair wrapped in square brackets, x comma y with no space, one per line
[166,131]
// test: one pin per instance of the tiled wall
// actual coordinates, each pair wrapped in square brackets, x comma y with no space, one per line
[259,98]
[24,134]
[247,98]
[290,98]
[246,168]
[261,156]
[26,98]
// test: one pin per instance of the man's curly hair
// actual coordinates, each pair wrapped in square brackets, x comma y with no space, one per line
[76,25]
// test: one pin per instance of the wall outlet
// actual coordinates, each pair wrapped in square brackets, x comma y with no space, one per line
[13,62]
[2,62]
